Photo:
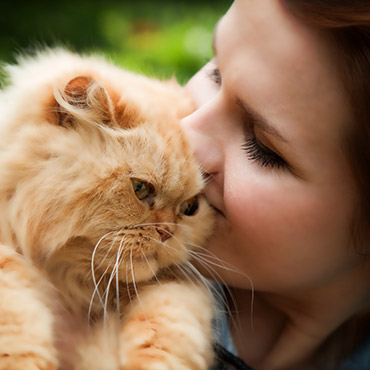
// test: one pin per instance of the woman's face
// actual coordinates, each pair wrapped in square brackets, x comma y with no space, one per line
[268,130]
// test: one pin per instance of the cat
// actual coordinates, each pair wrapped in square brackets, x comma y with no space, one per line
[101,206]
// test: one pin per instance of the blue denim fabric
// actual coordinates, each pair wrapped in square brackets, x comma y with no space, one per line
[221,331]
[221,328]
[360,358]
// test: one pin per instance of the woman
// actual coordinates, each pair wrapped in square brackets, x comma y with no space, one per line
[282,131]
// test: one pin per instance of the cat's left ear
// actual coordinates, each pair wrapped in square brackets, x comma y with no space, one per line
[83,99]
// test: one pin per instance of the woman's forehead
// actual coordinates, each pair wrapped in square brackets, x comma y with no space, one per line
[279,66]
[266,28]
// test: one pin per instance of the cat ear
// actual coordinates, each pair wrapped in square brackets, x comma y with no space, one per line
[85,99]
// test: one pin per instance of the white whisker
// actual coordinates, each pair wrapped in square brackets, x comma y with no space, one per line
[183,271]
[210,254]
[220,294]
[113,273]
[133,277]
[128,287]
[202,278]
[205,262]
[214,290]
[118,304]
[93,256]
[197,276]
[159,224]
[150,266]
[196,273]
[96,284]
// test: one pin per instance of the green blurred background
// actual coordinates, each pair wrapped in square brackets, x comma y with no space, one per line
[154,37]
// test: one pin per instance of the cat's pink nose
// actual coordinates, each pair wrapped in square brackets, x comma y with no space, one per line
[164,232]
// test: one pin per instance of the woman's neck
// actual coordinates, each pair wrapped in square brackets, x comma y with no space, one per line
[287,329]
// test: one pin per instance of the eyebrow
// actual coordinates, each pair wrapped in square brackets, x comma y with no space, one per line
[259,121]
[254,117]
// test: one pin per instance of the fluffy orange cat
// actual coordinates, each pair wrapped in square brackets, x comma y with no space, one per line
[100,208]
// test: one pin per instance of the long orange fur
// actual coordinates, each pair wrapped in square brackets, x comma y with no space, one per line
[92,277]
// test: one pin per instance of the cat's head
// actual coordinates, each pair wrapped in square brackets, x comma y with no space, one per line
[97,183]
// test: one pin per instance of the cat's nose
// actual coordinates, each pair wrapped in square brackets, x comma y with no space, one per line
[164,232]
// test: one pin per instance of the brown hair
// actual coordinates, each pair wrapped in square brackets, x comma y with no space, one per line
[347,24]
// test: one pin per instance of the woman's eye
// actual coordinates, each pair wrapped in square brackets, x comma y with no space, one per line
[259,153]
[143,190]
[215,75]
[190,206]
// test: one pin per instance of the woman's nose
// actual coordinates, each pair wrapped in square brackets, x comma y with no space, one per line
[203,137]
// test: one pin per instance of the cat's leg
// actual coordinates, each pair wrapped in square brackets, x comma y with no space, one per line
[26,335]
[168,328]
[98,350]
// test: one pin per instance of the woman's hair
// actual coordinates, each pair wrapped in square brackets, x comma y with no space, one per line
[347,24]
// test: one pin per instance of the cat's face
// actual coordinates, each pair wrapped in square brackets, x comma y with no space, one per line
[105,188]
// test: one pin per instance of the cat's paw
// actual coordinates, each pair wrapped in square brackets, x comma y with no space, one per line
[154,358]
[25,362]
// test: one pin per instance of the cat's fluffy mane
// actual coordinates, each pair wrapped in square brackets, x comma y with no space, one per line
[74,131]
[100,207]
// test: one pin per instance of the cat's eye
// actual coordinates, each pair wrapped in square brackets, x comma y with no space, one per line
[190,206]
[143,190]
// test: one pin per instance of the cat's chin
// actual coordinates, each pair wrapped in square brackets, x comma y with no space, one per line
[147,268]
[142,268]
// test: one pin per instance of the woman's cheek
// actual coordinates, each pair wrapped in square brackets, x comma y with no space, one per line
[269,215]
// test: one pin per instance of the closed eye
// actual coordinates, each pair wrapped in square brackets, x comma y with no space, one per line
[259,153]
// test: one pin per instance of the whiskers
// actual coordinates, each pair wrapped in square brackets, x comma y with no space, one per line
[114,248]
[116,268]
[112,259]
[210,262]
[96,284]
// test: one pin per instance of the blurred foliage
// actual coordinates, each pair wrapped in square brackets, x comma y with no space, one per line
[155,37]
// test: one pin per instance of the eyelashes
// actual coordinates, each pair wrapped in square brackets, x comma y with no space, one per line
[262,155]
[215,76]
